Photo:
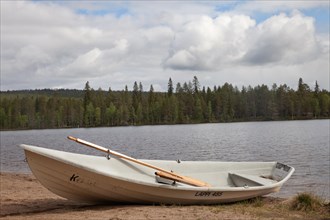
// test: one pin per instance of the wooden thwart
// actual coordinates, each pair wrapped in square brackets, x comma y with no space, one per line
[161,172]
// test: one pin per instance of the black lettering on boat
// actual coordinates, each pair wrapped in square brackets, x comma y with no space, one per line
[217,194]
[73,177]
[208,194]
[202,193]
[82,180]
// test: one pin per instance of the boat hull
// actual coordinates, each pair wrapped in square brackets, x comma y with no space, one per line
[82,182]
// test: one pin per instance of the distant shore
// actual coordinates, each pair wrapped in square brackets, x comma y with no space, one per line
[189,103]
[23,197]
[192,123]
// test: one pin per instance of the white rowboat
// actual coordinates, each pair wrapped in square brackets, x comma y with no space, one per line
[97,179]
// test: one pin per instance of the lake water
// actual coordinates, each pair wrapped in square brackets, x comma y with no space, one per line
[301,144]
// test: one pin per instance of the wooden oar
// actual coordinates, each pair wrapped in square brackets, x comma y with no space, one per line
[162,173]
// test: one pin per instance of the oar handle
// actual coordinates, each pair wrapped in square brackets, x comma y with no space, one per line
[72,138]
[112,152]
[89,144]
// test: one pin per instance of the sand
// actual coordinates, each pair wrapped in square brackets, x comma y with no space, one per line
[23,197]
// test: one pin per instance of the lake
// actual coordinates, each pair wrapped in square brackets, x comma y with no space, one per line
[301,144]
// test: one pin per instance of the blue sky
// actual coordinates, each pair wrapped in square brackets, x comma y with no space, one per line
[63,44]
[117,11]
[322,18]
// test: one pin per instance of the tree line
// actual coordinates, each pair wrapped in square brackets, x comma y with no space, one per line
[181,104]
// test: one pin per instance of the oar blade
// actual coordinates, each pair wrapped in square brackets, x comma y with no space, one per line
[183,179]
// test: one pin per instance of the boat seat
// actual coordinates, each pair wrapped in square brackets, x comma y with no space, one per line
[246,180]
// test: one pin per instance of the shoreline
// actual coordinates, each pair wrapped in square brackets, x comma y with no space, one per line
[23,197]
[165,124]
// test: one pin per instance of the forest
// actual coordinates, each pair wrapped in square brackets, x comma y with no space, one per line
[182,103]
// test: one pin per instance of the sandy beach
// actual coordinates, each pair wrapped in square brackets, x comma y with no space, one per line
[23,197]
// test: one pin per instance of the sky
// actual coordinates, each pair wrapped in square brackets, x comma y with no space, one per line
[64,44]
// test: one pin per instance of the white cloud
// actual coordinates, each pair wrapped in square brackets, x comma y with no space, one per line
[212,44]
[84,64]
[96,62]
[206,43]
[285,40]
[52,45]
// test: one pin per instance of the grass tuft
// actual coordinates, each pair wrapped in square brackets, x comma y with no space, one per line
[306,202]
[255,202]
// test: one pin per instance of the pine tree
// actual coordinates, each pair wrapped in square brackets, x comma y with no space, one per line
[135,96]
[316,88]
[170,87]
[196,85]
[87,101]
